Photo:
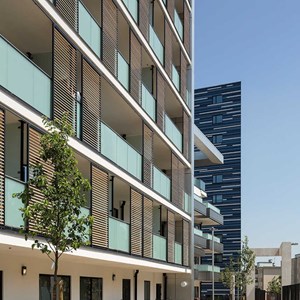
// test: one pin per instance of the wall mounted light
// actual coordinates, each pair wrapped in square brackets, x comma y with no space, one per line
[113,277]
[183,284]
[24,270]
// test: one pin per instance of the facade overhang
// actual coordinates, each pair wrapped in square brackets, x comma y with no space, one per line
[208,154]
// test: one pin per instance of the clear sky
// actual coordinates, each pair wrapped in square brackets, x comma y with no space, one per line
[258,42]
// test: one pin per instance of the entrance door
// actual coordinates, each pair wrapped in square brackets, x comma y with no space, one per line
[126,289]
[158,291]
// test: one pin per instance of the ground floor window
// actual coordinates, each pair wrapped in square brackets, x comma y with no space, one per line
[1,289]
[47,283]
[90,288]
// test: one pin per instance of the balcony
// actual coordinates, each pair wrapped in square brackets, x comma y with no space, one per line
[204,273]
[118,235]
[120,152]
[161,183]
[132,6]
[148,103]
[178,253]
[89,29]
[199,184]
[175,77]
[178,24]
[20,76]
[123,71]
[199,240]
[173,133]
[188,99]
[214,214]
[159,247]
[13,215]
[156,45]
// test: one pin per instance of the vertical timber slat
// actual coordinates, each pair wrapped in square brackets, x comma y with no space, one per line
[2,173]
[148,156]
[136,216]
[171,237]
[147,228]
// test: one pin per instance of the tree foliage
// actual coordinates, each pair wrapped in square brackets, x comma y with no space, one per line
[58,219]
[238,273]
[274,286]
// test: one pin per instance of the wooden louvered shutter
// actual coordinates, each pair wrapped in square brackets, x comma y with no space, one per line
[170,8]
[64,79]
[187,28]
[136,216]
[69,9]
[34,159]
[186,136]
[144,17]
[2,173]
[171,237]
[168,49]
[109,34]
[91,106]
[177,181]
[183,66]
[186,242]
[148,155]
[100,183]
[160,103]
[135,67]
[147,238]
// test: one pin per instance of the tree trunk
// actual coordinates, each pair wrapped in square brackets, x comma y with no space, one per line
[55,286]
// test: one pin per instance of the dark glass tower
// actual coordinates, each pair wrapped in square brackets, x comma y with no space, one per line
[218,115]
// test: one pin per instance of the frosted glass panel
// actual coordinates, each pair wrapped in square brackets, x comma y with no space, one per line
[118,235]
[123,71]
[156,44]
[161,183]
[159,247]
[132,6]
[173,133]
[148,102]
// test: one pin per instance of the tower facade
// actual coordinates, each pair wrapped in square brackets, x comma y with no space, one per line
[218,115]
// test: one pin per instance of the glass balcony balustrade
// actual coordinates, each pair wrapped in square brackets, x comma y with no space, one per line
[118,235]
[20,76]
[178,24]
[156,45]
[159,247]
[178,253]
[173,133]
[148,103]
[132,6]
[175,77]
[123,71]
[120,152]
[89,29]
[161,183]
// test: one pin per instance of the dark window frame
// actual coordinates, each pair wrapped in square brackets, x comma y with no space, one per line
[217,99]
[91,279]
[218,178]
[217,119]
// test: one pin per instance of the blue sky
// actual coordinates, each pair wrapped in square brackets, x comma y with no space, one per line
[258,42]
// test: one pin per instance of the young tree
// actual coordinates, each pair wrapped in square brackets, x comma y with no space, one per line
[60,224]
[274,286]
[238,273]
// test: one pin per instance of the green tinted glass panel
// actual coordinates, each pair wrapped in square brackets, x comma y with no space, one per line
[178,253]
[148,102]
[123,71]
[89,30]
[159,247]
[118,235]
[161,183]
[173,133]
[132,6]
[13,215]
[156,45]
[120,152]
[178,24]
[175,78]
[187,200]
[24,79]
[198,232]
[207,268]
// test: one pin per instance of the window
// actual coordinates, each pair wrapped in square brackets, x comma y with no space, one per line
[217,99]
[217,138]
[146,290]
[158,291]
[217,178]
[217,198]
[218,258]
[90,288]
[217,119]
[46,286]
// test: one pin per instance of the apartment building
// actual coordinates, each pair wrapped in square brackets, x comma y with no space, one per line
[218,115]
[122,71]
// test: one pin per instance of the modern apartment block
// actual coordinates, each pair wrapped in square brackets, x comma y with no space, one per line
[121,69]
[218,115]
